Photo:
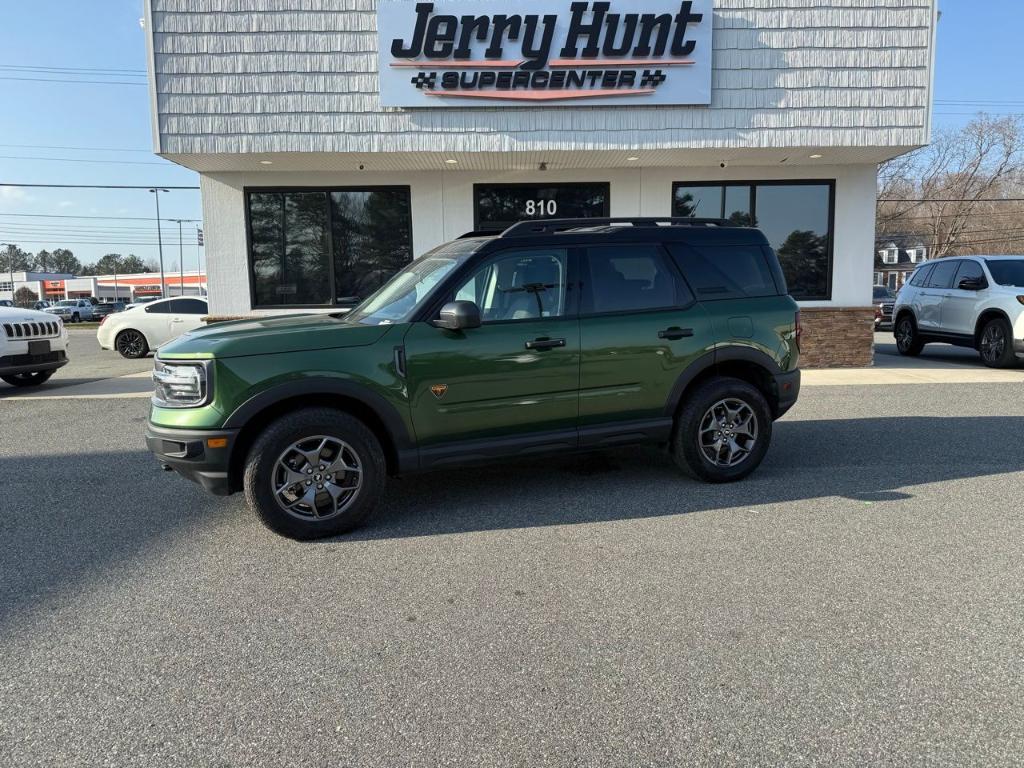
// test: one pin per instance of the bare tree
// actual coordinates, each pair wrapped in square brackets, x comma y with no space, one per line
[944,192]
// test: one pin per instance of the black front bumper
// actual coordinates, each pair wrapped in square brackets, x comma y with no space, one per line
[49,361]
[189,454]
[787,390]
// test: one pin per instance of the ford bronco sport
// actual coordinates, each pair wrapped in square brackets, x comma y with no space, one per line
[553,336]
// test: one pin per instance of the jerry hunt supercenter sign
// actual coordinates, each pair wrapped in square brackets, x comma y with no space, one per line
[549,52]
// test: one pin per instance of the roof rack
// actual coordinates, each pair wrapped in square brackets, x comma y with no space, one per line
[550,226]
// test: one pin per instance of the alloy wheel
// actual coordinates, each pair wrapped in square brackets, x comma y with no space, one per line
[904,335]
[728,432]
[316,478]
[993,343]
[130,343]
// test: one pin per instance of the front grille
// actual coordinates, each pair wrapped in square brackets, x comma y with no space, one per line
[47,357]
[43,330]
[887,309]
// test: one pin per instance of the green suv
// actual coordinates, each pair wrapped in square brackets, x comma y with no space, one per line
[552,336]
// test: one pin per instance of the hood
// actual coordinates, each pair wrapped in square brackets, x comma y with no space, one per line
[16,315]
[290,333]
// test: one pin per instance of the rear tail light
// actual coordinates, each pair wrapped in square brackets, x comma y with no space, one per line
[799,329]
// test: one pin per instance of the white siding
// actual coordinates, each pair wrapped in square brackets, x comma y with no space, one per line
[236,76]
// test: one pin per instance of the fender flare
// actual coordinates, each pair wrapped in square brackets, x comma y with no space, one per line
[326,385]
[712,359]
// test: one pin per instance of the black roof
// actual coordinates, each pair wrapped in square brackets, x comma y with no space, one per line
[636,229]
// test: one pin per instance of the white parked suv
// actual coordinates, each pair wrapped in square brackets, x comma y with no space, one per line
[136,331]
[970,301]
[33,345]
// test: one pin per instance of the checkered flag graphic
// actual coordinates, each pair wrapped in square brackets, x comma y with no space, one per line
[425,80]
[652,78]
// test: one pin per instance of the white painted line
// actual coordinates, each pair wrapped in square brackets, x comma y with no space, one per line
[132,385]
[846,377]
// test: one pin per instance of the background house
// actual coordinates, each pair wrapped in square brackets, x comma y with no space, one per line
[896,256]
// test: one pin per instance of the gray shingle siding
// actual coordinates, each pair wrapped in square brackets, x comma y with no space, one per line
[301,76]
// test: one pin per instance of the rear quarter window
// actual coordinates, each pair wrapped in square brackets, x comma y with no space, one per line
[717,272]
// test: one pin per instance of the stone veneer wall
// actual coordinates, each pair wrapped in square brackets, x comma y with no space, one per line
[837,337]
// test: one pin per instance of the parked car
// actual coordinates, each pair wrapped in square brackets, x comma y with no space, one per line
[551,337]
[72,310]
[970,301]
[6,303]
[40,306]
[33,345]
[144,300]
[107,308]
[884,299]
[136,331]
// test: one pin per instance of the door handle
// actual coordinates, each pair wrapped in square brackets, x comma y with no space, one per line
[545,343]
[675,333]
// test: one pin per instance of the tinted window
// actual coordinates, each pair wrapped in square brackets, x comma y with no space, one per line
[942,275]
[1006,272]
[498,206]
[326,247]
[188,306]
[794,217]
[520,285]
[920,277]
[162,307]
[725,271]
[628,278]
[969,270]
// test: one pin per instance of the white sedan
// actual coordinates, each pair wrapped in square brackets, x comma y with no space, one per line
[134,332]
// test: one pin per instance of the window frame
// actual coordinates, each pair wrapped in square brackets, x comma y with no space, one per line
[520,184]
[754,184]
[248,191]
[678,278]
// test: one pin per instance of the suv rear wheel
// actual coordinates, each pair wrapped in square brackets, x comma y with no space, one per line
[996,344]
[908,341]
[723,431]
[315,472]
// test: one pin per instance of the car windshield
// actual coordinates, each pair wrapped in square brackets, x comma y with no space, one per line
[71,303]
[403,294]
[1007,271]
[881,292]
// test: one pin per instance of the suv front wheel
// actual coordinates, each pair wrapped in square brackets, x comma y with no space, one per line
[315,472]
[722,432]
[996,344]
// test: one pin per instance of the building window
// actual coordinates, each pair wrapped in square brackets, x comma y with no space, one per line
[795,216]
[326,247]
[498,206]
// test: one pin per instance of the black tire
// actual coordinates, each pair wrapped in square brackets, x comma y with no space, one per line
[28,379]
[263,471]
[908,340]
[131,344]
[75,318]
[689,447]
[995,345]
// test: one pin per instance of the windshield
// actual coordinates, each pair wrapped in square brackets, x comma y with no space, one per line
[71,303]
[881,292]
[403,294]
[1007,272]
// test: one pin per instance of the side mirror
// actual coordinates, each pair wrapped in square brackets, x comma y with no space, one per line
[972,284]
[458,316]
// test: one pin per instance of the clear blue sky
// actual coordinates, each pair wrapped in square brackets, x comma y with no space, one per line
[978,67]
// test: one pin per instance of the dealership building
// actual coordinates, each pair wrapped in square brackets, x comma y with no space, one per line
[337,139]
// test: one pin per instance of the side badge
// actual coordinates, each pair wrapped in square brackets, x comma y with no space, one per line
[438,390]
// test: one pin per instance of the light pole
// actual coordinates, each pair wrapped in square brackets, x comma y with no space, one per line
[10,263]
[117,293]
[199,261]
[181,258]
[159,240]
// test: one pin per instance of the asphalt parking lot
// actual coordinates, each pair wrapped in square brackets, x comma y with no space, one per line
[856,602]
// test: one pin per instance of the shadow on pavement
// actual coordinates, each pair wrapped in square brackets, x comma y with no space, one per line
[56,542]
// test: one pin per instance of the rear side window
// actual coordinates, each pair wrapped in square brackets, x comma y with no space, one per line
[625,278]
[188,306]
[942,274]
[726,271]
[920,279]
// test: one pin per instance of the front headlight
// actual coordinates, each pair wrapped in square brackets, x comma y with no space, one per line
[181,385]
